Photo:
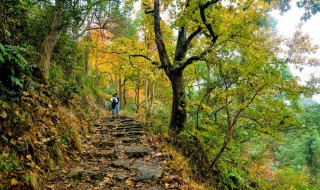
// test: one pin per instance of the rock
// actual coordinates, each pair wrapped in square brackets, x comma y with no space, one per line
[128,128]
[76,173]
[100,154]
[136,151]
[119,134]
[127,120]
[147,170]
[104,144]
[120,163]
[135,133]
[120,176]
[131,140]
[110,125]
[96,176]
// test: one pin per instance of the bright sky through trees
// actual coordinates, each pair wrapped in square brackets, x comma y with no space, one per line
[287,24]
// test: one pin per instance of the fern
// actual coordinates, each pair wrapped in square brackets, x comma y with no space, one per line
[13,65]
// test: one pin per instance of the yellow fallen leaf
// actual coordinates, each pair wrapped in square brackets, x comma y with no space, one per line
[14,182]
[95,168]
[166,185]
[13,142]
[166,178]
[29,157]
[63,171]
[128,182]
[107,179]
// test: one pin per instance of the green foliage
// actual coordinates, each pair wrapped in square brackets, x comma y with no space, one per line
[290,179]
[14,68]
[298,154]
[7,163]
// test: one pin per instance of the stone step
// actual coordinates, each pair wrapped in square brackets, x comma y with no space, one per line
[128,124]
[135,133]
[147,170]
[120,163]
[136,151]
[119,135]
[104,144]
[101,154]
[130,140]
[98,124]
[96,175]
[123,120]
[128,134]
[128,128]
[120,176]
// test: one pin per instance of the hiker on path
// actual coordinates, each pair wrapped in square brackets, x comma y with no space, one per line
[114,102]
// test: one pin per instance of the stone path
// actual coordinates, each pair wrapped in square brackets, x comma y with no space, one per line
[119,155]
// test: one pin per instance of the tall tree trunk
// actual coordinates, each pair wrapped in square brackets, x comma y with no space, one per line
[147,94]
[152,97]
[51,39]
[137,90]
[120,92]
[179,115]
[124,94]
[175,71]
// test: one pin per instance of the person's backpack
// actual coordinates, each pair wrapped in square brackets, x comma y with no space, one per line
[114,102]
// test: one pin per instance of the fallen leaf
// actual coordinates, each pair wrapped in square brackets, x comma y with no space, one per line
[13,142]
[14,182]
[52,186]
[63,171]
[29,157]
[128,182]
[107,179]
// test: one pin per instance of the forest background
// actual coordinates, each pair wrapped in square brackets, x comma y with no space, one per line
[212,78]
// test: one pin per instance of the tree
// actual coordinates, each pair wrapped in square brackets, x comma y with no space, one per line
[65,13]
[203,28]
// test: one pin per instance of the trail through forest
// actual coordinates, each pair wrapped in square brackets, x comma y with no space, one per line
[118,154]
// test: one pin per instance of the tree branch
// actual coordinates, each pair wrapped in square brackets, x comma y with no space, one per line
[163,55]
[148,9]
[248,104]
[204,19]
[193,35]
[147,58]
[191,59]
[315,5]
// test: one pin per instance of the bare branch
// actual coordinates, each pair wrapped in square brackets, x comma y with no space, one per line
[157,64]
[248,104]
[139,55]
[193,35]
[204,19]
[163,55]
[192,59]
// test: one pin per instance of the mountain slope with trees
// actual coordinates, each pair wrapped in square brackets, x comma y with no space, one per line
[209,77]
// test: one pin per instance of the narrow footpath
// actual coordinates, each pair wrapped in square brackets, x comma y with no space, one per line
[118,154]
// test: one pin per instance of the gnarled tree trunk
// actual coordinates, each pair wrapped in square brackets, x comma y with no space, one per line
[179,114]
[175,70]
[50,40]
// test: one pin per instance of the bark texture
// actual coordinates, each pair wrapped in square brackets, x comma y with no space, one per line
[51,39]
[175,69]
